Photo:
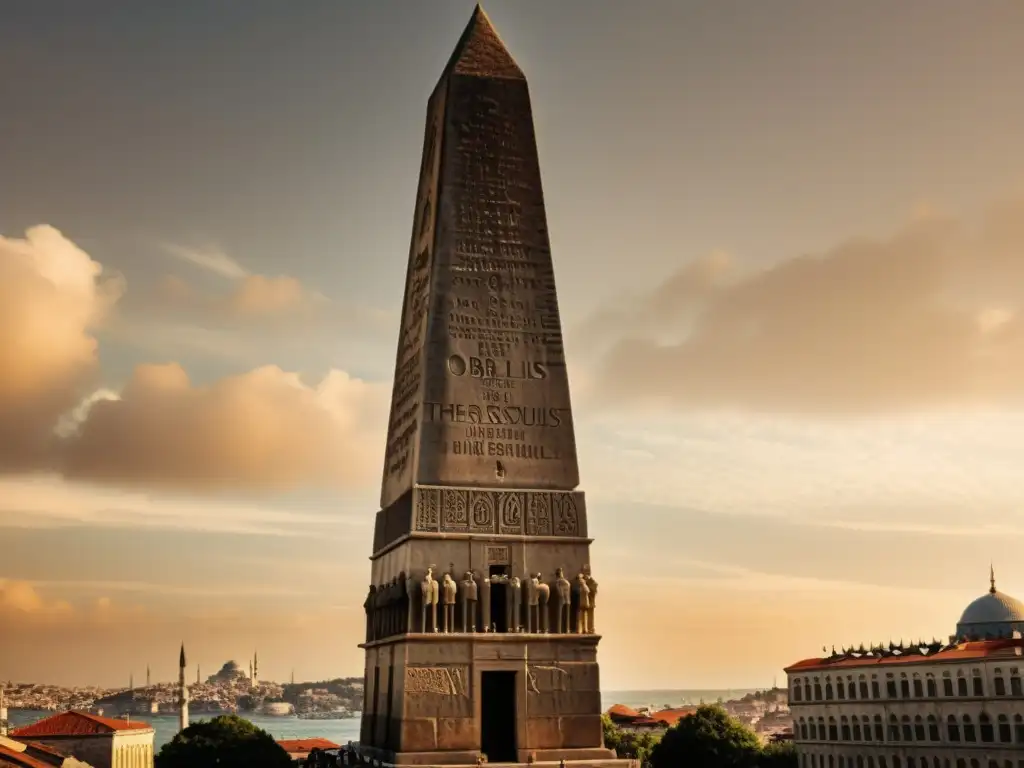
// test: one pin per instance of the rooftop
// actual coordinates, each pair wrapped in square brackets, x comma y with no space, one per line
[924,653]
[75,723]
[303,746]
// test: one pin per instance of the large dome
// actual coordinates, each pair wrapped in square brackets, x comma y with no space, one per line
[993,607]
[993,614]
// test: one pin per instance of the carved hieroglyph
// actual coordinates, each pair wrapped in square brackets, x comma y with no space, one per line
[517,513]
[443,681]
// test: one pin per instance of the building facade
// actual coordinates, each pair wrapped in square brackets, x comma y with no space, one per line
[923,705]
[101,742]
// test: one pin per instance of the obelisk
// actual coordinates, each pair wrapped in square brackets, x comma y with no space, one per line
[480,511]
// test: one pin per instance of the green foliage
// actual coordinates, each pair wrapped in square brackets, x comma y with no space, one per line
[709,738]
[227,741]
[627,744]
[779,754]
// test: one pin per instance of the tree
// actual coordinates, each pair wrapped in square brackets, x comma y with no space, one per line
[628,744]
[779,754]
[708,738]
[227,741]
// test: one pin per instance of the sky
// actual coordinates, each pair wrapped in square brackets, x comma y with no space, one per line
[789,246]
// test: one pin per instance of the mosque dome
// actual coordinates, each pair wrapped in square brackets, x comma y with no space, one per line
[993,614]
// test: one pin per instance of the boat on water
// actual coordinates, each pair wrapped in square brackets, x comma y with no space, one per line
[334,715]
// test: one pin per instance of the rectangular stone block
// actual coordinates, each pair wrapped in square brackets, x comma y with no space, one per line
[580,731]
[419,734]
[457,733]
[544,732]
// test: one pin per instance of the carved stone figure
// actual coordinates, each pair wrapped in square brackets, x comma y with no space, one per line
[412,588]
[514,604]
[469,600]
[368,607]
[429,594]
[592,583]
[543,598]
[449,588]
[532,604]
[485,604]
[582,605]
[563,598]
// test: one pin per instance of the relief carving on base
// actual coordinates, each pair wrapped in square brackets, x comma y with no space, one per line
[441,681]
[454,510]
[428,509]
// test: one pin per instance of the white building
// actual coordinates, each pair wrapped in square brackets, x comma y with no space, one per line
[922,705]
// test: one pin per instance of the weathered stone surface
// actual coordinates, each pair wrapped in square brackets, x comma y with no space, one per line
[480,473]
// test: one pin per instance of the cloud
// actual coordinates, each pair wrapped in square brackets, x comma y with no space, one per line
[51,299]
[209,258]
[49,501]
[928,318]
[262,429]
[19,601]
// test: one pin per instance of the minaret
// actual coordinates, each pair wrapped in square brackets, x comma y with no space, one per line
[991,579]
[131,684]
[148,679]
[182,692]
[255,669]
[197,674]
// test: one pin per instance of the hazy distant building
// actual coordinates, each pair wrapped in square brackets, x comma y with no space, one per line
[921,705]
[99,741]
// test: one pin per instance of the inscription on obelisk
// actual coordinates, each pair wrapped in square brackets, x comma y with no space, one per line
[481,394]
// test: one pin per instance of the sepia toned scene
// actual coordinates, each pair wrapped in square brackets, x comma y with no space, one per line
[738,489]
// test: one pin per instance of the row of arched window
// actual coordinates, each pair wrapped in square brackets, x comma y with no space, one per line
[868,761]
[929,729]
[812,689]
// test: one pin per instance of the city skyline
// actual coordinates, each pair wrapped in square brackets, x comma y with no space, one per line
[787,270]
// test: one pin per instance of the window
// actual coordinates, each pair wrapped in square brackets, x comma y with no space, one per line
[860,761]
[1018,729]
[1000,686]
[918,688]
[796,690]
[831,761]
[894,728]
[908,732]
[875,694]
[817,690]
[879,734]
[890,688]
[856,729]
[813,730]
[974,763]
[851,688]
[930,686]
[871,761]
[844,728]
[933,729]
[905,687]
[807,691]
[863,685]
[947,684]
[919,728]
[828,690]
[911,763]
[985,727]
[881,762]
[961,686]
[1015,689]
[833,730]
[969,734]
[1005,734]
[953,728]
[977,684]
[840,690]
[842,762]
[803,760]
[896,761]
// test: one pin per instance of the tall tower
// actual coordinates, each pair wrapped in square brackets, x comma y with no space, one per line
[148,679]
[182,692]
[480,469]
[255,669]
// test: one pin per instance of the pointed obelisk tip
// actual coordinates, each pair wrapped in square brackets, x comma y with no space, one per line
[480,51]
[181,657]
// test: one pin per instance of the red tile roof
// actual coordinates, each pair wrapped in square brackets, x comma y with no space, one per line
[672,716]
[622,711]
[305,745]
[980,649]
[76,724]
[13,757]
